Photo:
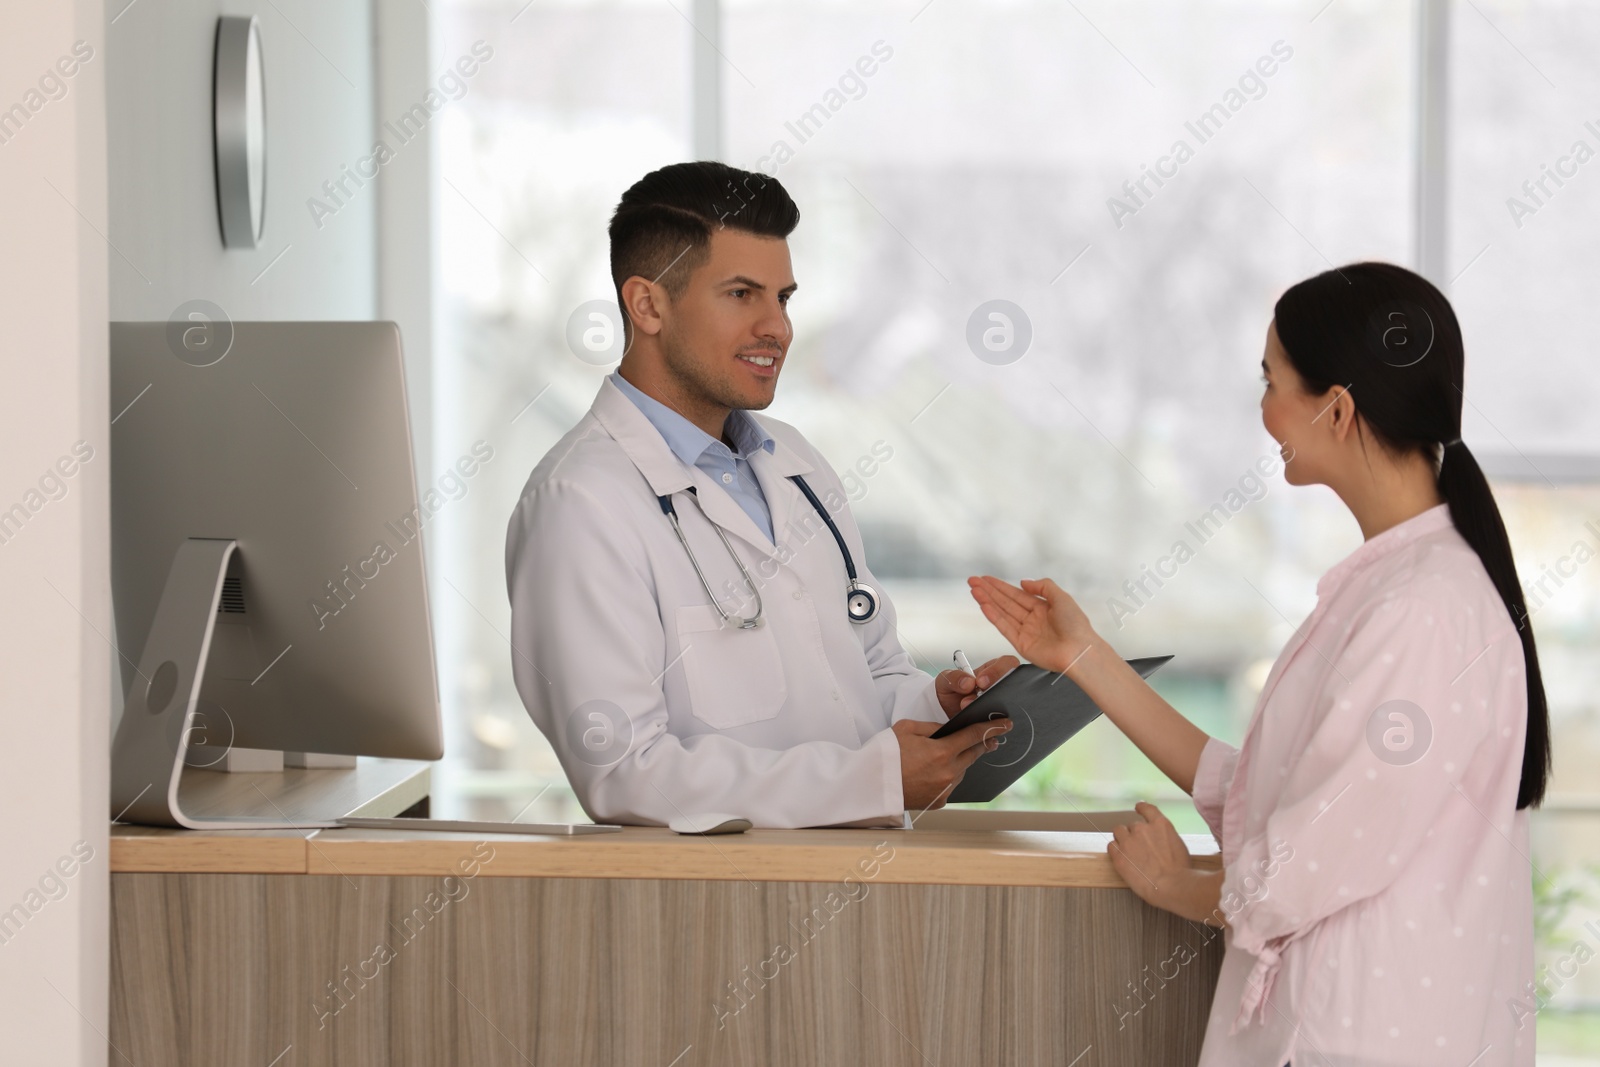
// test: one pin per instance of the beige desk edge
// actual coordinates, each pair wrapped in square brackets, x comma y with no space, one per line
[924,857]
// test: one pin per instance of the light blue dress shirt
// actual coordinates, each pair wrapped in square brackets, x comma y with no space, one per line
[728,468]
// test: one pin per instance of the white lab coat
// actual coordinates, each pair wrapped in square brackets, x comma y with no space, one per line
[655,708]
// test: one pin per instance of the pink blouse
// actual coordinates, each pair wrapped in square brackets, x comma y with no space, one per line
[1377,879]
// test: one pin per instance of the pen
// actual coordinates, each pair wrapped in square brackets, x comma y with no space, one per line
[961,662]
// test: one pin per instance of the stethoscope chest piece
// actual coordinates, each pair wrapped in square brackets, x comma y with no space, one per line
[861,603]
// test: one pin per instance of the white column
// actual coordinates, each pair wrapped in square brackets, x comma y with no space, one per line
[706,99]
[55,681]
[405,64]
[1431,143]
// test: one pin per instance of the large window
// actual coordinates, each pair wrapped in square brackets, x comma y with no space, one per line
[1136,182]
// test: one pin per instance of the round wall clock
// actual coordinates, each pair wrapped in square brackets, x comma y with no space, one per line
[239,117]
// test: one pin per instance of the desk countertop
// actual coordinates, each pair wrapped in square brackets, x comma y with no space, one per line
[947,847]
[1004,857]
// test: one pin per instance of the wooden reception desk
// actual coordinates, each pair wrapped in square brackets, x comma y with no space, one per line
[974,938]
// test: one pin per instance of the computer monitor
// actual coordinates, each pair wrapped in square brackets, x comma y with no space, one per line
[267,565]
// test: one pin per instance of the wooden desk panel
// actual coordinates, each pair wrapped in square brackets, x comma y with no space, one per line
[235,969]
[954,943]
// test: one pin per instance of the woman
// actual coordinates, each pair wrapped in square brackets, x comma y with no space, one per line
[1376,886]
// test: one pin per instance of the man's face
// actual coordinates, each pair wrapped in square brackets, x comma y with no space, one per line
[725,337]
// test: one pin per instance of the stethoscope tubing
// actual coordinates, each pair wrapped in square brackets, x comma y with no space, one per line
[857,590]
[849,564]
[744,623]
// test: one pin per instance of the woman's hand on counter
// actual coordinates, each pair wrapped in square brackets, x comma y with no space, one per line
[1040,619]
[1154,861]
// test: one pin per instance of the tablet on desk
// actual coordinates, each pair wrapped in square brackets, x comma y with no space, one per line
[1045,708]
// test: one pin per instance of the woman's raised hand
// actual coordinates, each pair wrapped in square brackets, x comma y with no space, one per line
[1042,622]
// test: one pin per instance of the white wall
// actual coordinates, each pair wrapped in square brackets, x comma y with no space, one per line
[54,566]
[334,73]
[319,97]
[110,213]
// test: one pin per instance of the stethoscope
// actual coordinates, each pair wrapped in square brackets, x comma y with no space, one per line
[861,601]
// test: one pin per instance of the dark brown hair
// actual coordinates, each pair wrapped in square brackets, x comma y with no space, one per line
[662,227]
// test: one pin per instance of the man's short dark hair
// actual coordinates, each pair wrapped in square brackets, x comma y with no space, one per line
[662,227]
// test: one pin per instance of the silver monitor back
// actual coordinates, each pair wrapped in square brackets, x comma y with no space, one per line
[295,444]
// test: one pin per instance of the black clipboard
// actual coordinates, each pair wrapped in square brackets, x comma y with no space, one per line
[1046,708]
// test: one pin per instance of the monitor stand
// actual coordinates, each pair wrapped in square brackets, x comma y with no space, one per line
[153,738]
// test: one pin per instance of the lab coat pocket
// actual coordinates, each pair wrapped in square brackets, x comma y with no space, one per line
[735,676]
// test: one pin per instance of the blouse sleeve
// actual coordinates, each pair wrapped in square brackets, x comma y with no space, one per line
[1393,732]
[1212,777]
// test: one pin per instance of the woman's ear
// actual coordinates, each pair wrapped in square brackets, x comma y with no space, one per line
[1340,412]
[642,302]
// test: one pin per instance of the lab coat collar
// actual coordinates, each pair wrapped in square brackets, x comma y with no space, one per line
[688,441]
[667,474]
[773,471]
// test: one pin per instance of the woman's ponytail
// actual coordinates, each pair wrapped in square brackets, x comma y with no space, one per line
[1477,520]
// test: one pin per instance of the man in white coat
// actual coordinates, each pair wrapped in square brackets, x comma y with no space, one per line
[684,626]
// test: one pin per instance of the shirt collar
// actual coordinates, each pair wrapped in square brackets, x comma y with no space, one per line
[688,441]
[1391,540]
